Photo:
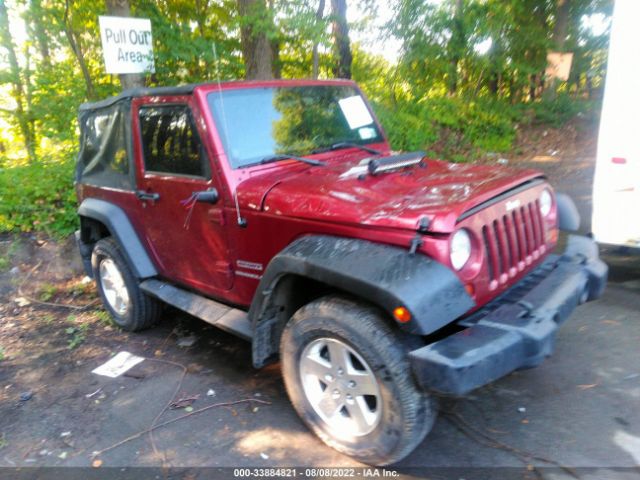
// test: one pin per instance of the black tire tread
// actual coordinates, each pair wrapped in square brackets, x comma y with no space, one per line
[418,410]
[145,310]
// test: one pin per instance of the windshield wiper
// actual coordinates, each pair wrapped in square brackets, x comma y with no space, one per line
[339,145]
[286,156]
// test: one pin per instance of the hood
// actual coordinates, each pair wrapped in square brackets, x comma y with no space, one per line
[439,190]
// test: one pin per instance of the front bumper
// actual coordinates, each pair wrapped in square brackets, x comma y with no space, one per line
[516,330]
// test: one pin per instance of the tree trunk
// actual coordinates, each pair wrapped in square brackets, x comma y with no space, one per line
[17,84]
[342,46]
[495,64]
[201,13]
[121,8]
[276,64]
[561,26]
[533,82]
[316,59]
[456,45]
[256,47]
[35,13]
[560,30]
[29,116]
[77,51]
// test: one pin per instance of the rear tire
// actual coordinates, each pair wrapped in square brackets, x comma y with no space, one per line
[130,308]
[379,415]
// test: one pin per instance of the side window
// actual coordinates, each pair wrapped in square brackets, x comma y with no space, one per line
[170,141]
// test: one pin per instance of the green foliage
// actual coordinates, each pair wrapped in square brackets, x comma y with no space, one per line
[309,119]
[1,354]
[77,333]
[454,128]
[405,128]
[39,197]
[495,48]
[47,291]
[470,71]
[103,317]
[560,110]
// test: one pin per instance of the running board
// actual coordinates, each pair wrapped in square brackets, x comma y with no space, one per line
[222,316]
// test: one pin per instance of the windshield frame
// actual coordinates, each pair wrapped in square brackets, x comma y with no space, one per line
[379,141]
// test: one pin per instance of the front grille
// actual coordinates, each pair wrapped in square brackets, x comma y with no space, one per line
[513,241]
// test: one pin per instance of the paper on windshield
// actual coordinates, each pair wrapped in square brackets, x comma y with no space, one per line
[355,111]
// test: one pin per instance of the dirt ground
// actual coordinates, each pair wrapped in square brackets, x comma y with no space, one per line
[579,409]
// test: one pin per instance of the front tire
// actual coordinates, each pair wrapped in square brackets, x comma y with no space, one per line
[348,376]
[130,308]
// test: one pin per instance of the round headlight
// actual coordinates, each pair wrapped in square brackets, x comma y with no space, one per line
[460,249]
[546,201]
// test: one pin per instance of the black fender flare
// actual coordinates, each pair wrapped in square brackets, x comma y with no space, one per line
[384,275]
[118,224]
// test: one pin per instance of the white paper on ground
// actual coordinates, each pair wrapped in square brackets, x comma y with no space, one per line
[355,111]
[119,364]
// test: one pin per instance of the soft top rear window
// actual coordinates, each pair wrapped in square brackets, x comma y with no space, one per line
[105,158]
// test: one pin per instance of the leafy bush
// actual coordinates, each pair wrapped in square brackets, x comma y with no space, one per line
[406,129]
[39,197]
[558,111]
[456,128]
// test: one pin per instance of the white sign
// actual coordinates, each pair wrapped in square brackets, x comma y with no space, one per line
[126,44]
[355,111]
[559,65]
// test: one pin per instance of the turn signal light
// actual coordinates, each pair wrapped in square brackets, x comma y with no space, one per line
[402,314]
[470,289]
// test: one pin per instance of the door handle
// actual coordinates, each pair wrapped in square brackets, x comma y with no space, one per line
[144,195]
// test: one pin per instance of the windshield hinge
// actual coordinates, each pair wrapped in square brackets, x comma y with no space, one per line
[416,243]
[423,224]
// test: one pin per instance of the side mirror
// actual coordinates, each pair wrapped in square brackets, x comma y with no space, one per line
[207,196]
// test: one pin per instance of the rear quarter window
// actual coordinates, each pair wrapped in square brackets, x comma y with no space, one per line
[104,158]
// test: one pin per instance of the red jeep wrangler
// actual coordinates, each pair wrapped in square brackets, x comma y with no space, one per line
[278,211]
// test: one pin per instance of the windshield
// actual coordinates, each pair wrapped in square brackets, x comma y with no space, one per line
[255,123]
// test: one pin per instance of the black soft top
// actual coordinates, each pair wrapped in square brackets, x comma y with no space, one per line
[105,158]
[140,92]
[130,93]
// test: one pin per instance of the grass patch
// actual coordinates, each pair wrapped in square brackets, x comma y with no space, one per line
[103,317]
[77,333]
[47,292]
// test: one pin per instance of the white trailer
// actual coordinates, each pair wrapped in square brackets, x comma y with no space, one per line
[616,186]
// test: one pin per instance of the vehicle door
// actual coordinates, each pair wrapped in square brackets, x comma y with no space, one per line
[185,233]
